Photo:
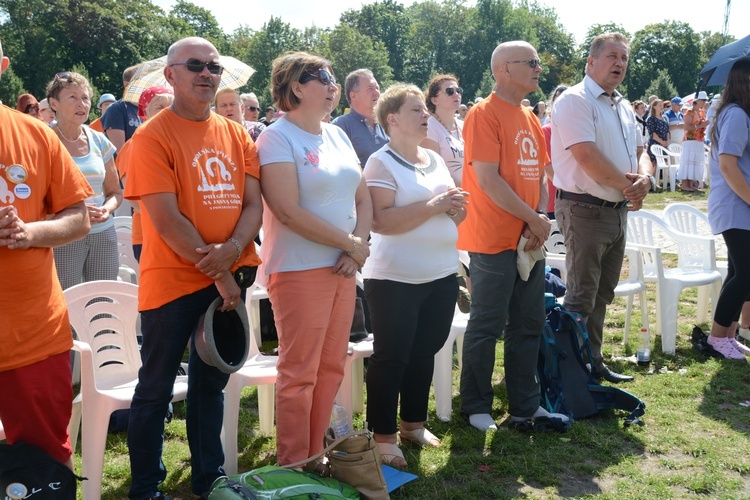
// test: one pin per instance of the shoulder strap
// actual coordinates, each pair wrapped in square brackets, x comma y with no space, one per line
[328,448]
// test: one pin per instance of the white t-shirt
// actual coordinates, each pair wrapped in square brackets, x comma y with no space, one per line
[426,253]
[328,175]
[451,145]
[585,113]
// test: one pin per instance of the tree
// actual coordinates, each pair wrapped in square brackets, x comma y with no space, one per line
[369,54]
[188,19]
[384,22]
[272,40]
[662,86]
[11,87]
[671,46]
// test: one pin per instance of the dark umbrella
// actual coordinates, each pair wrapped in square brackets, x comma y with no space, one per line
[717,69]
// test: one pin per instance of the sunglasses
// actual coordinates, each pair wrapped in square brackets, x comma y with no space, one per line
[453,90]
[197,66]
[533,63]
[252,108]
[32,107]
[322,75]
[65,75]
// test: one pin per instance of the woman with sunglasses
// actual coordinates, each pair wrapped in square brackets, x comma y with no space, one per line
[444,129]
[410,279]
[316,227]
[94,257]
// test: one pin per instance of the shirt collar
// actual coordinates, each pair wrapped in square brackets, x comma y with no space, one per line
[596,90]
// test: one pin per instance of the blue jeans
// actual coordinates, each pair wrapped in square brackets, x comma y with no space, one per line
[166,332]
[501,300]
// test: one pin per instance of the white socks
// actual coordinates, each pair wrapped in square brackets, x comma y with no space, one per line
[541,412]
[483,422]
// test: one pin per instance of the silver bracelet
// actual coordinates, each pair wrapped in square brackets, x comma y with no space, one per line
[239,248]
[354,245]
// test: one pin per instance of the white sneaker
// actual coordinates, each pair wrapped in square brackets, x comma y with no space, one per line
[744,333]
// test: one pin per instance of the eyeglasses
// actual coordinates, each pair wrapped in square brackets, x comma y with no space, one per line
[32,107]
[252,108]
[533,63]
[453,90]
[197,66]
[322,75]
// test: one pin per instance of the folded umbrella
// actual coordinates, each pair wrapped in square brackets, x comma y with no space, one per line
[716,70]
[151,74]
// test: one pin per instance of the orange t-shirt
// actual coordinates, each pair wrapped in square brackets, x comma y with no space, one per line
[136,229]
[497,132]
[204,164]
[97,125]
[38,177]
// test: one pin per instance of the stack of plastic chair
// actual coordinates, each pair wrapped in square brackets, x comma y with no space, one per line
[125,253]
[259,370]
[103,317]
[695,268]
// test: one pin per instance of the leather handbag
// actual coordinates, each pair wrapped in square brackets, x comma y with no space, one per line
[354,459]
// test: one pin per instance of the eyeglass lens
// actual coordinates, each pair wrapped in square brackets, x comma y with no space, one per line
[452,90]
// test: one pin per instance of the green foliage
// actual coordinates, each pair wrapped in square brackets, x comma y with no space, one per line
[671,46]
[11,86]
[662,86]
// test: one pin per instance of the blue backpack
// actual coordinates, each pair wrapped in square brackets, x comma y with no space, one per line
[568,385]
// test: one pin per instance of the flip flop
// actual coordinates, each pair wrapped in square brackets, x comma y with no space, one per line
[391,454]
[421,436]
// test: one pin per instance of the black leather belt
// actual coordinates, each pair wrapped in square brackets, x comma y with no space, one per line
[589,200]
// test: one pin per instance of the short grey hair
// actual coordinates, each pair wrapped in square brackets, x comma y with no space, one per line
[351,84]
[248,96]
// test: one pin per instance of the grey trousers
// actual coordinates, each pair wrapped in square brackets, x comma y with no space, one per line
[595,242]
[500,300]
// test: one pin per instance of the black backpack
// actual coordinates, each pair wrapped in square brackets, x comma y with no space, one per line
[567,382]
[28,472]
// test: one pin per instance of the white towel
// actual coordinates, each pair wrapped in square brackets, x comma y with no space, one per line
[526,260]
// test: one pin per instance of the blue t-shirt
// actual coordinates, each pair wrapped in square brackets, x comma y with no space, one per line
[92,167]
[364,140]
[726,210]
[122,115]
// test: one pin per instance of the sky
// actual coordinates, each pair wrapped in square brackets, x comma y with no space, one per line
[575,15]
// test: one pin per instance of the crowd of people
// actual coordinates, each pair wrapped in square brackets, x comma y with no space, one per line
[392,189]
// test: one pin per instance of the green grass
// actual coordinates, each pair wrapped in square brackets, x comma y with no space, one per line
[694,444]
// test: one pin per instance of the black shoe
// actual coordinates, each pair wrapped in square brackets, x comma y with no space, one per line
[611,376]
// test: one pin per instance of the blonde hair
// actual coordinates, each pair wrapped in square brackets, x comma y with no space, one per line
[598,43]
[165,99]
[227,90]
[287,70]
[391,101]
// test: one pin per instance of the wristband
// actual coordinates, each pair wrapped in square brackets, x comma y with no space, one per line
[238,246]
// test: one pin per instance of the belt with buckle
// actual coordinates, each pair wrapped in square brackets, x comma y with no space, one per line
[589,200]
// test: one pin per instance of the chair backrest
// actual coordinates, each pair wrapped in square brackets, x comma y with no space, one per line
[125,249]
[686,218]
[662,156]
[675,148]
[695,252]
[123,221]
[555,242]
[103,314]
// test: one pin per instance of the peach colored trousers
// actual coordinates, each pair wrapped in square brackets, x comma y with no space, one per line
[313,310]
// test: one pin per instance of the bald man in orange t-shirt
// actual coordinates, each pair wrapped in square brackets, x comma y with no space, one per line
[195,175]
[504,159]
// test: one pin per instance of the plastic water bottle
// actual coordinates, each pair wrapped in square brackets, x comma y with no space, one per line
[339,421]
[643,355]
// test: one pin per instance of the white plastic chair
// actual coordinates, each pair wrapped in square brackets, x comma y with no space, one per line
[351,390]
[664,166]
[123,221]
[125,252]
[442,375]
[110,361]
[688,219]
[124,210]
[632,286]
[695,267]
[258,370]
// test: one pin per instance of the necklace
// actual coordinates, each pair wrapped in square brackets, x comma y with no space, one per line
[80,133]
[451,131]
[402,155]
